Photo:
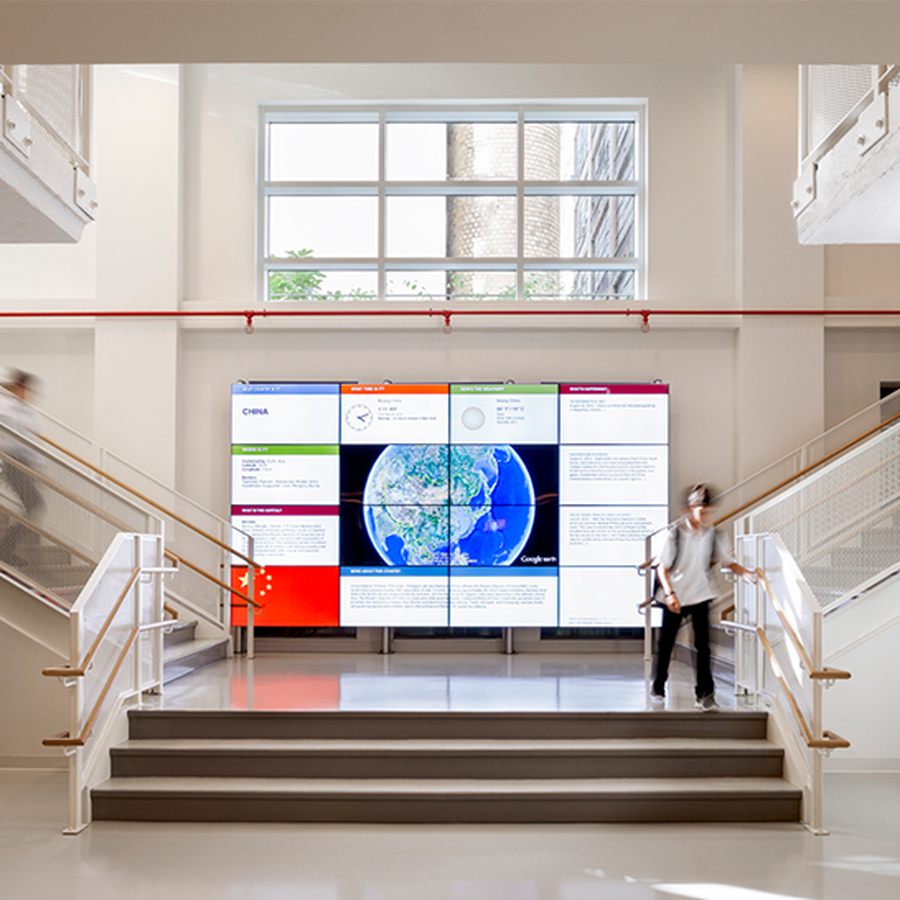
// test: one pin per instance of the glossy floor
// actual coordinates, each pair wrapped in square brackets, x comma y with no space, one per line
[473,681]
[860,858]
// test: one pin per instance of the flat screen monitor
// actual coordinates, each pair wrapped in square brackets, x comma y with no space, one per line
[448,505]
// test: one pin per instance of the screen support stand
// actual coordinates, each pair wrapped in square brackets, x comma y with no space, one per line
[387,636]
[509,641]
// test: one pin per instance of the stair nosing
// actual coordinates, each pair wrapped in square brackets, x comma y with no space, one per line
[519,746]
[689,788]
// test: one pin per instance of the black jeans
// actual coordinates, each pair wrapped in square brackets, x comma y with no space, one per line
[699,613]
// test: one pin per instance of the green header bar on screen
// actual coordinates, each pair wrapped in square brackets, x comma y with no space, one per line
[504,388]
[285,450]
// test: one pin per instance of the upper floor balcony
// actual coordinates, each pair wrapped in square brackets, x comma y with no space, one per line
[46,191]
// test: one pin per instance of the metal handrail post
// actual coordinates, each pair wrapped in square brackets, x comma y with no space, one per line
[158,613]
[739,588]
[251,592]
[75,754]
[760,619]
[817,785]
[76,812]
[648,610]
[136,607]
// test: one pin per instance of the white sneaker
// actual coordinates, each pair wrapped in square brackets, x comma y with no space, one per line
[707,703]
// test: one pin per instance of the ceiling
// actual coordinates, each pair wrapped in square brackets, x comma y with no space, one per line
[503,31]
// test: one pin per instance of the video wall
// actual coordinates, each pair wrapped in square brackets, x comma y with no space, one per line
[431,505]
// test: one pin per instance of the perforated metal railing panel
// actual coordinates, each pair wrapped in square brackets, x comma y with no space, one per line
[842,524]
[832,92]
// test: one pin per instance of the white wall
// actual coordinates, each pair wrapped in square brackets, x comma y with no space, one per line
[862,639]
[64,360]
[213,360]
[34,707]
[176,151]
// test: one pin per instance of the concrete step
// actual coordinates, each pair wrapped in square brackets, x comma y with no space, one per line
[43,554]
[447,800]
[186,656]
[146,724]
[868,557]
[179,632]
[56,576]
[490,759]
[415,766]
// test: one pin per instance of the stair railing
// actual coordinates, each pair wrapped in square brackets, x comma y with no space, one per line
[751,494]
[838,522]
[203,558]
[799,463]
[245,599]
[778,662]
[69,528]
[115,657]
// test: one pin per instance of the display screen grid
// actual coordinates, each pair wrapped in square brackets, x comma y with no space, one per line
[439,505]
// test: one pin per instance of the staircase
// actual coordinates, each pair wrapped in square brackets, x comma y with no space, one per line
[42,566]
[184,652]
[850,565]
[366,766]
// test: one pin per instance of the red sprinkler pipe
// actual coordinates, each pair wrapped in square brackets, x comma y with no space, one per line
[250,314]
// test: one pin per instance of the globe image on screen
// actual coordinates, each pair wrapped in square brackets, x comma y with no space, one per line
[489,517]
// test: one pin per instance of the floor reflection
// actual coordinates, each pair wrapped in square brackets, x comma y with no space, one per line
[429,682]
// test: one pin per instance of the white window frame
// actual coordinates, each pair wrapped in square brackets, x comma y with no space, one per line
[630,110]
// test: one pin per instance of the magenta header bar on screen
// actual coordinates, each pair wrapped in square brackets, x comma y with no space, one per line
[284,510]
[614,389]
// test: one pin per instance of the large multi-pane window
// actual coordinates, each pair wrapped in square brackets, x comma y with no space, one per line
[403,204]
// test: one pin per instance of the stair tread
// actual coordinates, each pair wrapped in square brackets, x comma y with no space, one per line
[414,746]
[178,651]
[161,786]
[421,714]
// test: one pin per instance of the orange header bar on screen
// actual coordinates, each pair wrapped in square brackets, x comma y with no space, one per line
[395,389]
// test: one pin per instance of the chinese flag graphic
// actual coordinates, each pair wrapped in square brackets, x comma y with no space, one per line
[291,595]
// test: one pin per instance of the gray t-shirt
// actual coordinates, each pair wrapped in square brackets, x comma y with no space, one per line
[692,577]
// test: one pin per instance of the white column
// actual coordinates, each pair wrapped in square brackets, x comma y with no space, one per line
[780,361]
[136,359]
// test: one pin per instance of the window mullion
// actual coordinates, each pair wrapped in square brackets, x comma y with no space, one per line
[491,192]
[382,206]
[520,205]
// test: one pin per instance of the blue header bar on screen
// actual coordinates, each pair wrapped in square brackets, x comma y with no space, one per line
[276,388]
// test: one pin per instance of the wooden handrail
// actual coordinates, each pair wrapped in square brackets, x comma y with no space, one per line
[791,478]
[72,551]
[170,554]
[153,503]
[836,492]
[825,674]
[71,671]
[839,541]
[65,492]
[807,469]
[68,740]
[122,526]
[829,740]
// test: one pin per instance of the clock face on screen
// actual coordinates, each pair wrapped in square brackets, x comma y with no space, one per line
[358,417]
